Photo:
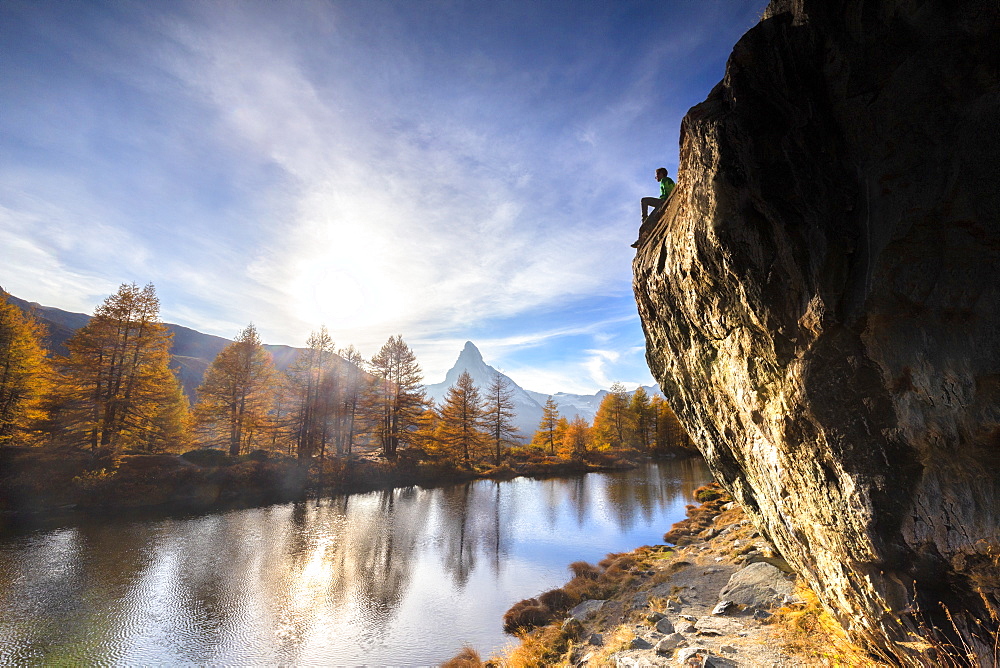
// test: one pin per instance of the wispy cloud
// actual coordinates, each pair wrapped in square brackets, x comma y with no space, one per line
[441,170]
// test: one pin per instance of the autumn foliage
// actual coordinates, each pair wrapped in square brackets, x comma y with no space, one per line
[340,418]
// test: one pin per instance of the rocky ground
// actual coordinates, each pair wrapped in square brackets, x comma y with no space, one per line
[721,597]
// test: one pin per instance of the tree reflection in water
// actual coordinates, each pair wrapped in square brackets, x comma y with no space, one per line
[391,577]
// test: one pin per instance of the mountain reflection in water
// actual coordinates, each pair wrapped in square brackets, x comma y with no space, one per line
[399,577]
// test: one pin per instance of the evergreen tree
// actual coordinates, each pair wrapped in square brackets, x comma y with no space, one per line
[24,371]
[237,393]
[461,419]
[117,379]
[500,414]
[397,398]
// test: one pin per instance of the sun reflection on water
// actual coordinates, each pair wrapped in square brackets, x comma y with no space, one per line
[396,577]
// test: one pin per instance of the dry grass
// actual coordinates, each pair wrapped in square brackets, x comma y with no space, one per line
[700,517]
[810,631]
[618,640]
[547,647]
[963,645]
[466,658]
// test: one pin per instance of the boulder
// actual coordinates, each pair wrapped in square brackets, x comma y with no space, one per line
[821,303]
[759,586]
[587,609]
[668,644]
[664,625]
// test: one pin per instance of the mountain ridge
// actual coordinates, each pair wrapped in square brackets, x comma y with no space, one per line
[192,351]
[529,402]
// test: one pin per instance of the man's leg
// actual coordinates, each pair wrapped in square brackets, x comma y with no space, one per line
[649,202]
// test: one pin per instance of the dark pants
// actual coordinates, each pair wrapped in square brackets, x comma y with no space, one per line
[650,202]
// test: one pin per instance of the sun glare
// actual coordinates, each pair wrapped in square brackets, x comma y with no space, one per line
[336,297]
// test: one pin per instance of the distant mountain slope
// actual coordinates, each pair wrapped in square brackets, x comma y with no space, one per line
[191,352]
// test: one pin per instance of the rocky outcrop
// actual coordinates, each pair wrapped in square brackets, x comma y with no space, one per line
[821,301]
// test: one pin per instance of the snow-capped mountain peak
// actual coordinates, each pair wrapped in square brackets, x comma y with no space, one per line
[528,404]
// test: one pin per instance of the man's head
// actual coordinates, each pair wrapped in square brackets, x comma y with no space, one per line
[661,173]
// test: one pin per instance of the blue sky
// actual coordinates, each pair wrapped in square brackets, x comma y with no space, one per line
[442,170]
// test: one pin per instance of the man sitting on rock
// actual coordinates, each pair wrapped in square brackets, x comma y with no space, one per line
[666,187]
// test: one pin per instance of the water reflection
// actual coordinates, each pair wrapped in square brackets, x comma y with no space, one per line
[395,577]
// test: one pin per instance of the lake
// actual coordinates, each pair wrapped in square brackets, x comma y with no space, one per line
[399,577]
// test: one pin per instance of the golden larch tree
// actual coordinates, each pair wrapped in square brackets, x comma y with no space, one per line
[499,414]
[547,434]
[316,387]
[575,438]
[24,371]
[117,387]
[611,424]
[237,394]
[396,400]
[460,429]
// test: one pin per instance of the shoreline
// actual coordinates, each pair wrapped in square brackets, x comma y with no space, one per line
[719,595]
[43,487]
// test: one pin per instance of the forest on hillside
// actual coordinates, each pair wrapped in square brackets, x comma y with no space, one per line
[114,396]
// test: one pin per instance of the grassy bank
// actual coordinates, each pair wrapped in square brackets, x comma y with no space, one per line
[37,481]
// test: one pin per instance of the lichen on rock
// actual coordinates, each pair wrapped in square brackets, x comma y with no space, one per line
[821,301]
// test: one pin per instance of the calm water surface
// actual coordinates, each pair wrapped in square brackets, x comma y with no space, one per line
[402,577]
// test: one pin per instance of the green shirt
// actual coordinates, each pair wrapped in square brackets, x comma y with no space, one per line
[666,185]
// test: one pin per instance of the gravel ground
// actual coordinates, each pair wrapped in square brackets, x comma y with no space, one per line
[673,617]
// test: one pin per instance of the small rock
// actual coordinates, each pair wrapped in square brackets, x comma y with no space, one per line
[721,607]
[654,617]
[596,639]
[718,662]
[627,662]
[718,626]
[728,649]
[688,656]
[690,628]
[587,609]
[761,614]
[663,625]
[690,618]
[737,543]
[671,642]
[639,643]
[713,569]
[673,607]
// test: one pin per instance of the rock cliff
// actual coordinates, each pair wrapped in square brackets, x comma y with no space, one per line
[821,299]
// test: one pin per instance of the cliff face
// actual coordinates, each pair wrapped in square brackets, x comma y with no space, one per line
[822,298]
